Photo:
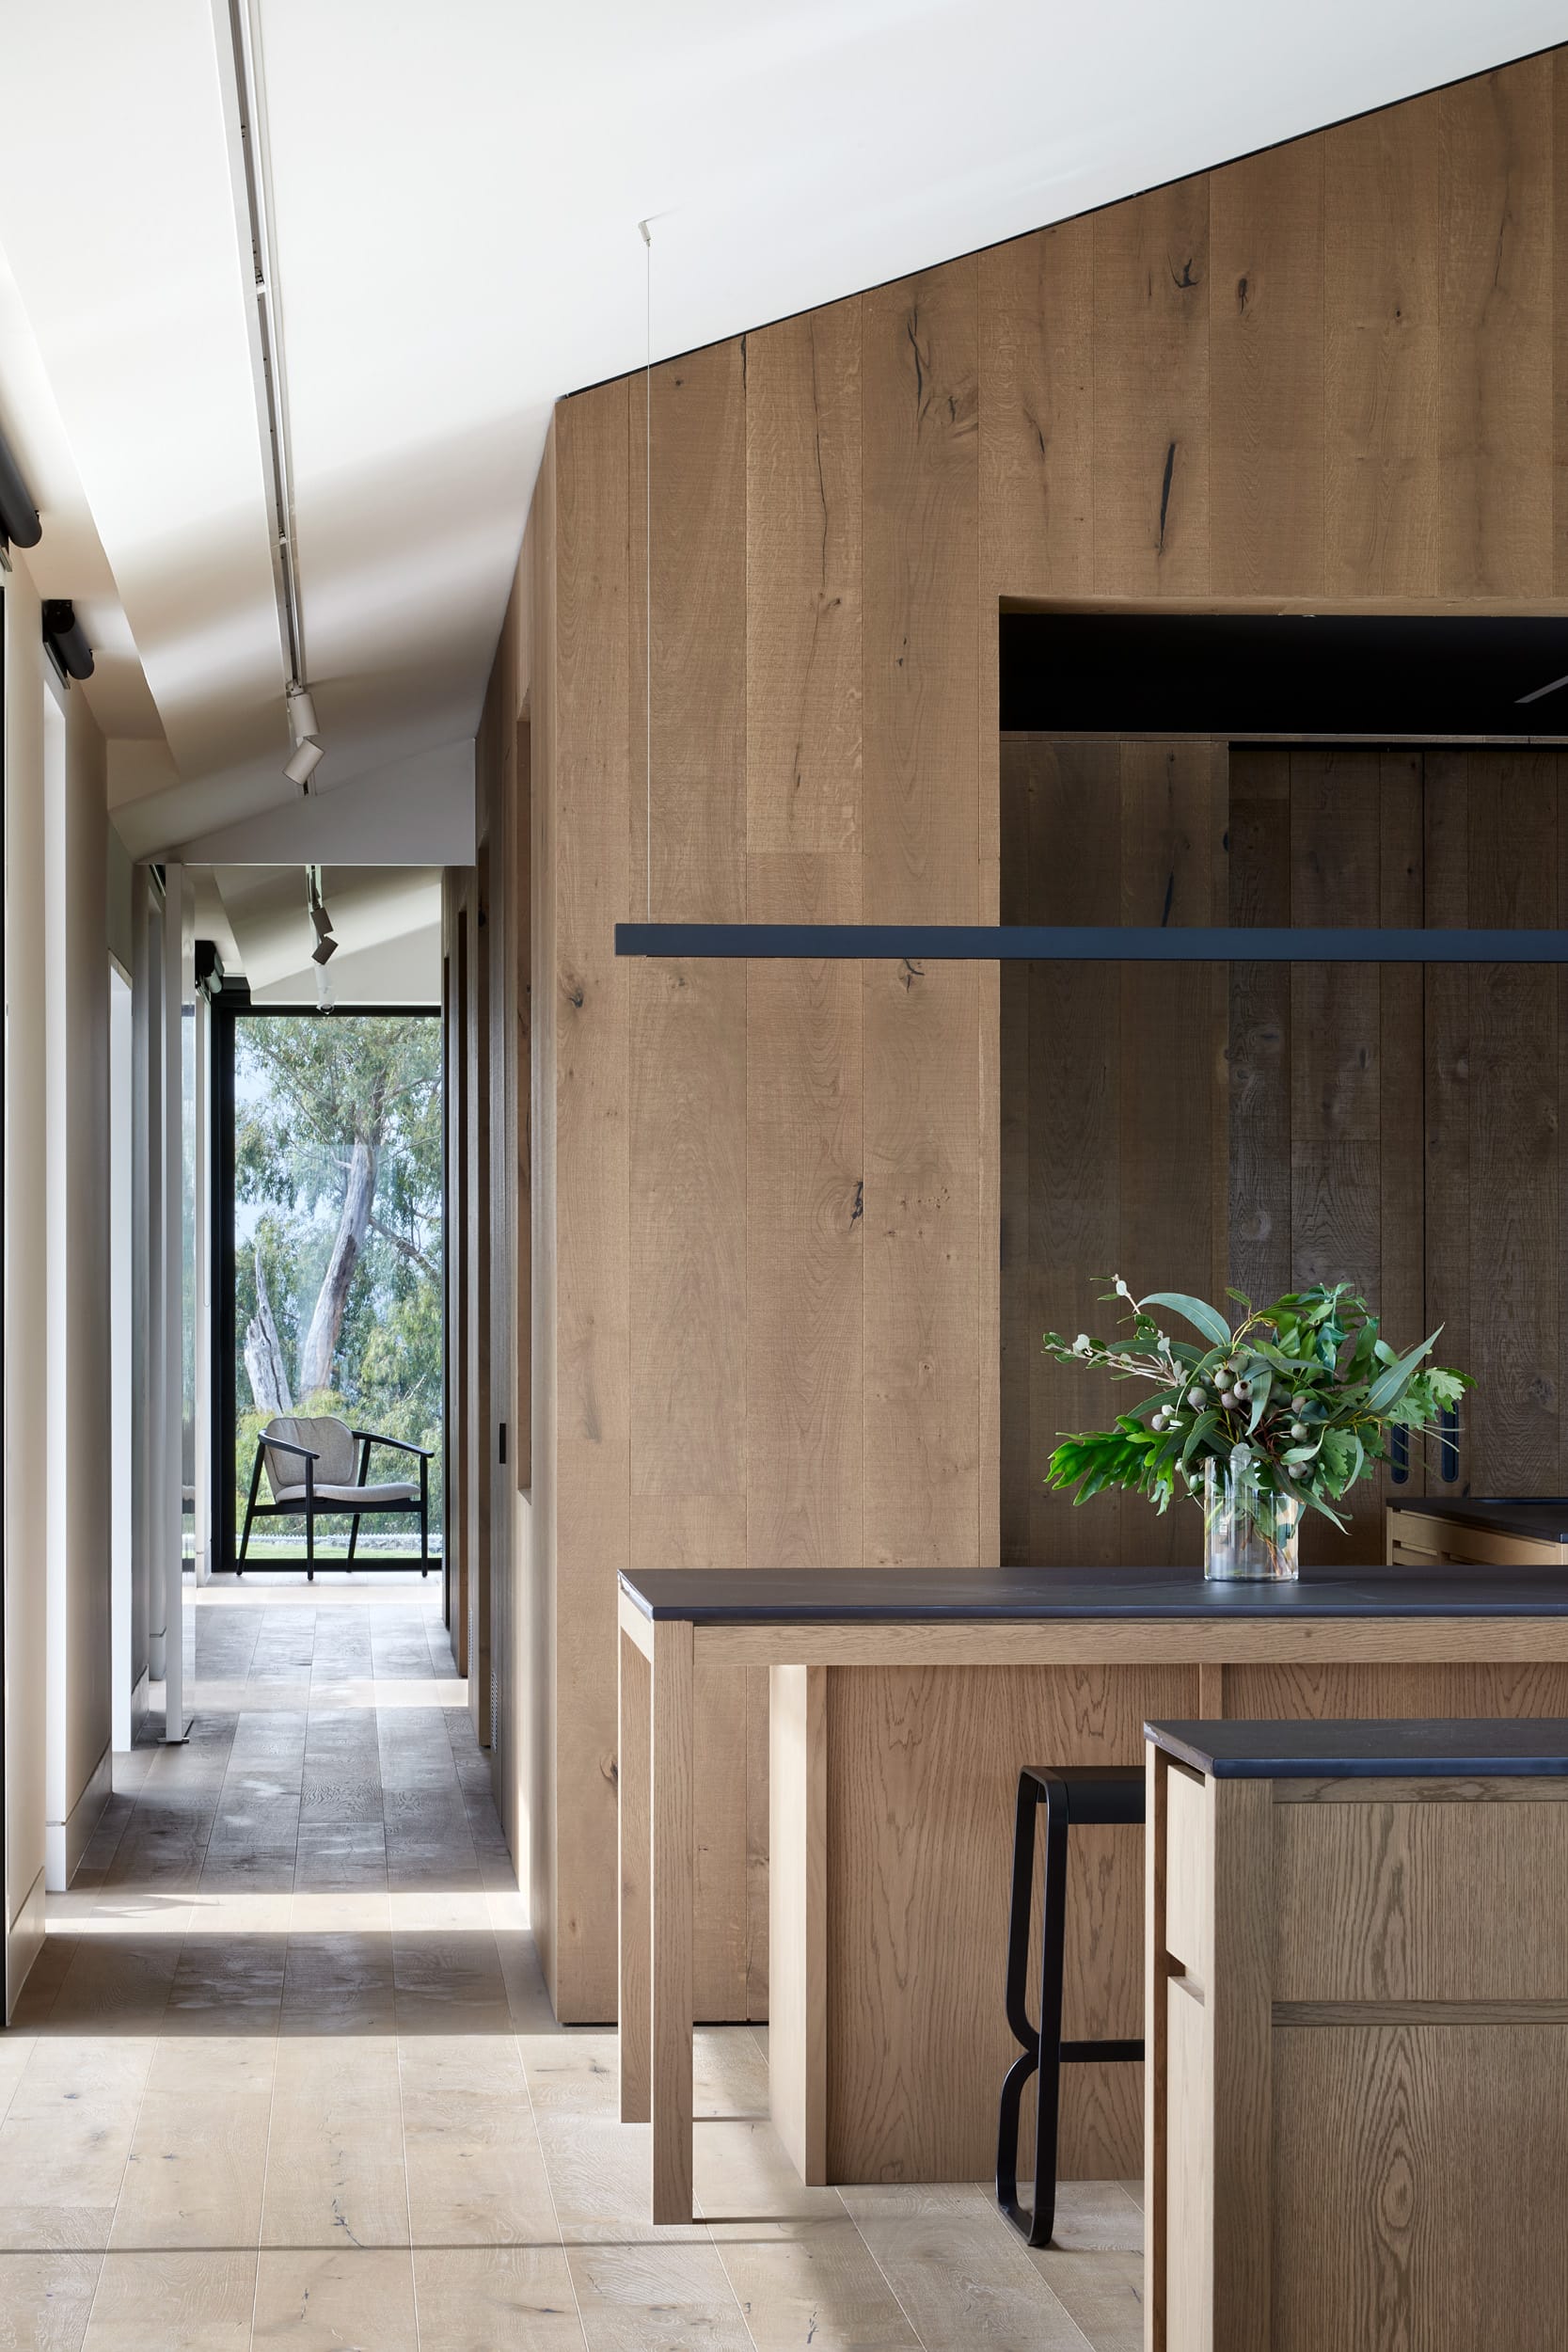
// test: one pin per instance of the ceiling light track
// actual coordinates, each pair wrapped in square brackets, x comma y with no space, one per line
[249,78]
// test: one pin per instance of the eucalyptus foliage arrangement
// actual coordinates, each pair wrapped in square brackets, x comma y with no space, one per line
[1300,1395]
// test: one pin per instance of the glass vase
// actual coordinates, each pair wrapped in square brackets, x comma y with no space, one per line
[1249,1532]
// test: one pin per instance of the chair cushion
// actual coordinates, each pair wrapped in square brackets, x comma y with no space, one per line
[330,1439]
[348,1496]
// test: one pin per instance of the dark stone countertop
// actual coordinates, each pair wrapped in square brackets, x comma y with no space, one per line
[1477,1748]
[1541,1518]
[931,1596]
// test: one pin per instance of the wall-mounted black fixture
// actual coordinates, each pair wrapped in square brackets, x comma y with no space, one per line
[63,638]
[18,517]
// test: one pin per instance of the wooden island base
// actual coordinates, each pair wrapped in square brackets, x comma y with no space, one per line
[1357,2037]
[891,1800]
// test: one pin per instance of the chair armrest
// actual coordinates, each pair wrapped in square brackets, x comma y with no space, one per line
[400,1445]
[285,1445]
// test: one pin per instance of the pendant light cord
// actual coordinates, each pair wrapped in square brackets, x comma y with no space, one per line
[648,562]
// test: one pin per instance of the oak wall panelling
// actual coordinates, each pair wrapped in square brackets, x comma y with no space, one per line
[768,1307]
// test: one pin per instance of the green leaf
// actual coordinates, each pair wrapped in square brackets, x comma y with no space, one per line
[1283,1360]
[1260,1403]
[1344,1458]
[1195,1435]
[1387,1386]
[1193,1310]
[1310,1501]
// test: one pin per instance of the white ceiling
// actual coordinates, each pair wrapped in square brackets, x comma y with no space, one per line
[456,193]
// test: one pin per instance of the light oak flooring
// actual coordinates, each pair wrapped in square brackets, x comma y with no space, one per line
[286,2075]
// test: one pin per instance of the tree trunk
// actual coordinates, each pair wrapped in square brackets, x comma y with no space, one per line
[321,1341]
[263,1354]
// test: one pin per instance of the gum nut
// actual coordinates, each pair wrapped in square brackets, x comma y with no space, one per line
[1196,1399]
[1298,1429]
[1082,1344]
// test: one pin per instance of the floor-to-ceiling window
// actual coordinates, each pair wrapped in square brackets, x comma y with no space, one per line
[329,1219]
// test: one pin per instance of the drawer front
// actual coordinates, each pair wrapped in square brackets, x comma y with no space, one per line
[1386,1901]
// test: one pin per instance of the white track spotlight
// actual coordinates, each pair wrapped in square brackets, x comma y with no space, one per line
[303,766]
[302,714]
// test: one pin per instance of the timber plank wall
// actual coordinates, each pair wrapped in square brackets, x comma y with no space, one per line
[766,1199]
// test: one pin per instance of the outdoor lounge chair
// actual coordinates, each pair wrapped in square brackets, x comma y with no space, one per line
[310,1474]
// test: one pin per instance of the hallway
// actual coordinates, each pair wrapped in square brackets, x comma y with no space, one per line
[286,2073]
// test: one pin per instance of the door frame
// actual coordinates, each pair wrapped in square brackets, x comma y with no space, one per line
[228,1007]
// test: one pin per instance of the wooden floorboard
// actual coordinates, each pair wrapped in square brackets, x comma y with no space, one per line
[286,2075]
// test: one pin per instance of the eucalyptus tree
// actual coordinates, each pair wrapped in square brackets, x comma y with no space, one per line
[338,1150]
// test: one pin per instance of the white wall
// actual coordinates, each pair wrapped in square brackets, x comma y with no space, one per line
[77,1088]
[26,1299]
[56,1215]
[129,1665]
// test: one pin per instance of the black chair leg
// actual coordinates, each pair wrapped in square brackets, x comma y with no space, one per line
[364,1475]
[1041,2050]
[1053,1942]
[1110,1798]
[310,1545]
[424,1516]
[250,1514]
[1011,2109]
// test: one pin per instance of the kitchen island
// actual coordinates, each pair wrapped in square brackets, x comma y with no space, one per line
[1357,2036]
[888,1887]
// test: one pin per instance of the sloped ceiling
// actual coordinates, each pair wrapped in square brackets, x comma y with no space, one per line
[456,191]
[386,921]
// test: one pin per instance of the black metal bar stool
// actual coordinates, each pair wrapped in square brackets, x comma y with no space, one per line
[1075,1797]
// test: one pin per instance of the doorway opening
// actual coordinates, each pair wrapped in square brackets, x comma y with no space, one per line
[329,1291]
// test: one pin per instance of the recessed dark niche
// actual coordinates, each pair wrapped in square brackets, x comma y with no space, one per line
[1282,674]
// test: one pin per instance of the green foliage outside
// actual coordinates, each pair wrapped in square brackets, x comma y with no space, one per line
[1302,1394]
[338,1188]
